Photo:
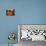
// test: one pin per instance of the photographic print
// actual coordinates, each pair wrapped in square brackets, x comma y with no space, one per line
[31,33]
[10,12]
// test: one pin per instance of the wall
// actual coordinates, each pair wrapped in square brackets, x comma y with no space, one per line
[27,12]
